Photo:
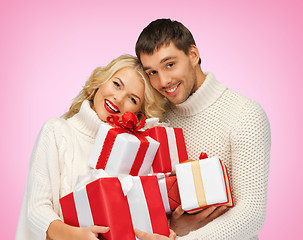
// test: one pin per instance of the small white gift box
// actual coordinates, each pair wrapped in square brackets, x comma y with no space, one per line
[203,183]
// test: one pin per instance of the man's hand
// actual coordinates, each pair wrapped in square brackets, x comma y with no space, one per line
[182,223]
[149,236]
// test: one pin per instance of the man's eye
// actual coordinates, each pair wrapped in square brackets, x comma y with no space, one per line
[152,73]
[133,100]
[170,65]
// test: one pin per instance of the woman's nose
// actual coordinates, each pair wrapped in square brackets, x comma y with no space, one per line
[118,97]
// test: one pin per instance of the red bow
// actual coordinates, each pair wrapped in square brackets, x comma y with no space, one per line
[203,155]
[130,121]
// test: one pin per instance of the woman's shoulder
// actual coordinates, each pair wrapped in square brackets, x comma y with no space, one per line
[57,127]
[55,123]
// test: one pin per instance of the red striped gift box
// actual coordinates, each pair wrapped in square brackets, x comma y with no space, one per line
[172,149]
[169,191]
[102,202]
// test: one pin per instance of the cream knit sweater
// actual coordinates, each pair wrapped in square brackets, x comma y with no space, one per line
[214,119]
[224,123]
[59,156]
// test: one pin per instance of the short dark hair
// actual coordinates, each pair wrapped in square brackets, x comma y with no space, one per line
[162,32]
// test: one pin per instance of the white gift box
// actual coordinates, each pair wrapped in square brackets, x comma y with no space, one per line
[203,183]
[123,152]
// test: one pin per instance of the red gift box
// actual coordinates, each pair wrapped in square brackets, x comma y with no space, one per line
[169,191]
[172,149]
[102,202]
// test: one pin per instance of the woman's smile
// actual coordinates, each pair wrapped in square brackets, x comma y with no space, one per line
[111,107]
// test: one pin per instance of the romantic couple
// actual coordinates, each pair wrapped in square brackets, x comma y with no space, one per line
[164,81]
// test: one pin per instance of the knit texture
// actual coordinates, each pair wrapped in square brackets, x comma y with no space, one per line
[223,123]
[59,156]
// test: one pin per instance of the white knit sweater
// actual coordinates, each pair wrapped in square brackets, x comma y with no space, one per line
[224,123]
[59,156]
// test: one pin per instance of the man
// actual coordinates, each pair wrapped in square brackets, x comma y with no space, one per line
[215,120]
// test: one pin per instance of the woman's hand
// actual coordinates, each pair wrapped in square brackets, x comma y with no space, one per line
[60,231]
[90,233]
[149,236]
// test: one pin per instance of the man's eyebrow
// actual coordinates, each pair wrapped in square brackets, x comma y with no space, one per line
[167,59]
[162,61]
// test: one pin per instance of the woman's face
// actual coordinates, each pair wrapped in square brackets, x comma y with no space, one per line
[123,92]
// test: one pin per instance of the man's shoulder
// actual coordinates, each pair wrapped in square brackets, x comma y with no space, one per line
[245,108]
[239,100]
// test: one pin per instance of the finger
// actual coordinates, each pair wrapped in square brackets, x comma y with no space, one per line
[100,229]
[218,212]
[172,234]
[178,212]
[205,213]
[142,235]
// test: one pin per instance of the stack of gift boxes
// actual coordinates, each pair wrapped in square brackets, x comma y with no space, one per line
[133,186]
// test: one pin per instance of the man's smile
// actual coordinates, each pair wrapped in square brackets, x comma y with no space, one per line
[172,90]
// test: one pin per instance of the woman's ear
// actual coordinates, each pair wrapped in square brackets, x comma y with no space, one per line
[194,55]
[139,115]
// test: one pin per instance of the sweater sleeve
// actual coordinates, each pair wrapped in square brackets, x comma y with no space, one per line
[43,180]
[250,153]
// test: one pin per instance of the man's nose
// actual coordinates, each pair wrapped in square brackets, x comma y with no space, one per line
[164,79]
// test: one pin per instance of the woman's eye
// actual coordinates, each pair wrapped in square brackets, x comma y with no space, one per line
[133,100]
[116,84]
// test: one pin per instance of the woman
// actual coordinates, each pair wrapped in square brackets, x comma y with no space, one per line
[63,146]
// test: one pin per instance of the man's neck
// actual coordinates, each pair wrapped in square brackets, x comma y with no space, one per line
[200,77]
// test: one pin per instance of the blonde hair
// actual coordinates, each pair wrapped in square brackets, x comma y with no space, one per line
[153,105]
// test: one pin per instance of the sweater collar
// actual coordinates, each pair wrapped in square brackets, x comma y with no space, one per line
[204,97]
[86,120]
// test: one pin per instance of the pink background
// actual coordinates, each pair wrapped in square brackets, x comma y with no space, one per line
[49,48]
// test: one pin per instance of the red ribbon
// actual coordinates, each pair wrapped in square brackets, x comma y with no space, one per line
[130,124]
[130,121]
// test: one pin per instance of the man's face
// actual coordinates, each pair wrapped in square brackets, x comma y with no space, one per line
[172,72]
